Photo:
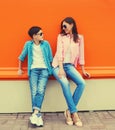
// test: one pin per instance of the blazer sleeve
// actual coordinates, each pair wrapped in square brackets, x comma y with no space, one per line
[81,51]
[60,48]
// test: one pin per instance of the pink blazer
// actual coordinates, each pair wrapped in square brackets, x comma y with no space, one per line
[77,50]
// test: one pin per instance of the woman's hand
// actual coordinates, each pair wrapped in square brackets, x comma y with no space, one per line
[86,74]
[61,73]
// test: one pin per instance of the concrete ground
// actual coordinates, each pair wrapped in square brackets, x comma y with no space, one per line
[95,120]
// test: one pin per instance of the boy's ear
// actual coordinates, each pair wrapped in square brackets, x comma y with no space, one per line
[33,35]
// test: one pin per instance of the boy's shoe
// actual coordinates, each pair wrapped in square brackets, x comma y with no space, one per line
[39,120]
[36,119]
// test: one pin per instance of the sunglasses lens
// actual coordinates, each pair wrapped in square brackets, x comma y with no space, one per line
[64,26]
[41,34]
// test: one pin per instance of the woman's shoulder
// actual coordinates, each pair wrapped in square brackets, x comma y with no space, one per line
[80,39]
[61,36]
[80,35]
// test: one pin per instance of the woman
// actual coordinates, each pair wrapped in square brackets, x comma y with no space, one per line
[70,52]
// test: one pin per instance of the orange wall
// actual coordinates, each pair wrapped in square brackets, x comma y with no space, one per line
[95,19]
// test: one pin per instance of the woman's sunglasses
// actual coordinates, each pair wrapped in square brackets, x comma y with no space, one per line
[64,26]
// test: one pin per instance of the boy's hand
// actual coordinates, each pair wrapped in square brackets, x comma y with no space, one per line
[20,72]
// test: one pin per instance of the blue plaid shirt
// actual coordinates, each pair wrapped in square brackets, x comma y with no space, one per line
[46,50]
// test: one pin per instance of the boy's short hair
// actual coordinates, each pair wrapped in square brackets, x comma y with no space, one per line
[33,30]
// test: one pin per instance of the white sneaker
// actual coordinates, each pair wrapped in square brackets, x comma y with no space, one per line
[39,120]
[36,119]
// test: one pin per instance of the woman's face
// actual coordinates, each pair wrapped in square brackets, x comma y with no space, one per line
[67,27]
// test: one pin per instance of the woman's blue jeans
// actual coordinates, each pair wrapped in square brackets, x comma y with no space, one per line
[75,76]
[38,80]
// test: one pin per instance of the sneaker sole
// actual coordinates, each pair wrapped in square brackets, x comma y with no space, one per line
[34,123]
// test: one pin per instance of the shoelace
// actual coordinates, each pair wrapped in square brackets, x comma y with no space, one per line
[38,115]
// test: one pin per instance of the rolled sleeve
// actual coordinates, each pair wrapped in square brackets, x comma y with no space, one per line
[60,48]
[81,51]
[23,53]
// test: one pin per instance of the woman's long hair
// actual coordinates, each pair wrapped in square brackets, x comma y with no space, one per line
[70,20]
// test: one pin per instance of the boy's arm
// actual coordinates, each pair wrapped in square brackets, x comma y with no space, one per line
[50,53]
[20,71]
[21,59]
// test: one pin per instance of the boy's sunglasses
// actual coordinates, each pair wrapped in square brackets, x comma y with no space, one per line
[40,34]
[64,26]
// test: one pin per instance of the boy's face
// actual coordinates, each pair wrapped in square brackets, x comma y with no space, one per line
[38,36]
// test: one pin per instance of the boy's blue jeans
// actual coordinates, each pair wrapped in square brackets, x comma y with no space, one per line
[38,80]
[74,75]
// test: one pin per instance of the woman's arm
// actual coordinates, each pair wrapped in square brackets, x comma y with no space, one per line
[60,56]
[84,72]
[61,69]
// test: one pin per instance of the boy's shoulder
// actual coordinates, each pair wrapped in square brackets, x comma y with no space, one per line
[29,42]
[45,41]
